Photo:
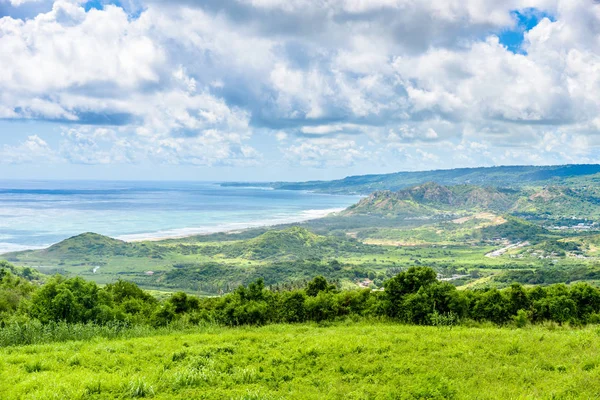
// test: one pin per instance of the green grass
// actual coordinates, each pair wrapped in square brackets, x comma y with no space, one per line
[341,361]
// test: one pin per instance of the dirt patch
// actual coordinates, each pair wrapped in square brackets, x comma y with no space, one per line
[486,216]
[397,243]
[542,194]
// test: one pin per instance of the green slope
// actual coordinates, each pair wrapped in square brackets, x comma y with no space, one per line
[432,198]
[491,176]
[343,361]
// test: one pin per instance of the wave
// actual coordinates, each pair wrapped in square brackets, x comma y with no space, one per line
[12,247]
[304,216]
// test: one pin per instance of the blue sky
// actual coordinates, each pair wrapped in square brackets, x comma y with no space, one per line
[295,89]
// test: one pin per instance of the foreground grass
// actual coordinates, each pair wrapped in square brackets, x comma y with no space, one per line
[344,361]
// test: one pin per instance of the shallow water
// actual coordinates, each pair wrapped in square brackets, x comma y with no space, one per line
[35,214]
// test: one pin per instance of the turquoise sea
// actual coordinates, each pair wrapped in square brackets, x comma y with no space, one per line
[35,214]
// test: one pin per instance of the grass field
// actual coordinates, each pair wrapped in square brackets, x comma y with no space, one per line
[341,361]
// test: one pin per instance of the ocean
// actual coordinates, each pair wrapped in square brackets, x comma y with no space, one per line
[36,214]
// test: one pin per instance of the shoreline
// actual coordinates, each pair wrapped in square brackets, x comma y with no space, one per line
[231,228]
[183,233]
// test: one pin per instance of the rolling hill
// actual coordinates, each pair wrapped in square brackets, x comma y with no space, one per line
[433,198]
[430,199]
[512,176]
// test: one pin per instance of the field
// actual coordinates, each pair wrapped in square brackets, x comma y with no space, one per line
[355,360]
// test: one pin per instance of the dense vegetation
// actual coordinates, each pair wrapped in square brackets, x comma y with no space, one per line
[432,199]
[414,296]
[340,307]
[328,309]
[475,228]
[488,176]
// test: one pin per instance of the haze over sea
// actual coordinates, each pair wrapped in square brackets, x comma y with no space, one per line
[35,214]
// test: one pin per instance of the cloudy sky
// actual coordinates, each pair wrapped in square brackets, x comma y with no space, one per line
[294,89]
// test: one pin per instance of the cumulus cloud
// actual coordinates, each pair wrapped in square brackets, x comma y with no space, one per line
[325,152]
[191,82]
[33,150]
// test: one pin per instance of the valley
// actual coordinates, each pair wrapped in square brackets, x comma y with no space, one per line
[480,233]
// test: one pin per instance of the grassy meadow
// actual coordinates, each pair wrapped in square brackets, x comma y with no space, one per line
[357,360]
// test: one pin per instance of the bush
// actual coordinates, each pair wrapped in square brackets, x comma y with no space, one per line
[521,320]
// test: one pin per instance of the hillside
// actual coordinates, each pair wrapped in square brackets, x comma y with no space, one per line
[303,361]
[466,230]
[514,230]
[279,255]
[84,248]
[292,241]
[26,273]
[560,201]
[88,243]
[512,176]
[432,198]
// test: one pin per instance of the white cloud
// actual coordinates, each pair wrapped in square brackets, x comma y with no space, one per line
[325,152]
[281,136]
[17,3]
[34,150]
[190,82]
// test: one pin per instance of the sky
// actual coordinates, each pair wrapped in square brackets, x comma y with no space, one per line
[263,90]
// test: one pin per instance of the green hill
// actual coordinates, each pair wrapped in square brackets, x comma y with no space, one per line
[27,273]
[513,176]
[289,241]
[290,244]
[432,198]
[429,199]
[560,201]
[87,249]
[514,229]
[91,244]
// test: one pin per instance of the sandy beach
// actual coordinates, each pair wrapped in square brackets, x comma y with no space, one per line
[226,228]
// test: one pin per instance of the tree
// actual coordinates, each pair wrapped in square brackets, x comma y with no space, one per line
[493,306]
[518,298]
[317,285]
[292,307]
[586,299]
[71,300]
[322,307]
[405,283]
[183,303]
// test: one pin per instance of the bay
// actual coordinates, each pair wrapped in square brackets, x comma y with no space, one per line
[36,214]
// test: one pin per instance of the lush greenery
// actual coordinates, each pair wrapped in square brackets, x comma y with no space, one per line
[476,233]
[432,199]
[489,176]
[217,264]
[414,296]
[340,307]
[346,360]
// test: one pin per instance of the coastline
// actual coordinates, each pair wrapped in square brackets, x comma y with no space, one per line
[230,228]
[182,233]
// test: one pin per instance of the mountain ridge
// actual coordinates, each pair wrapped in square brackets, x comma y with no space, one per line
[517,175]
[432,198]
